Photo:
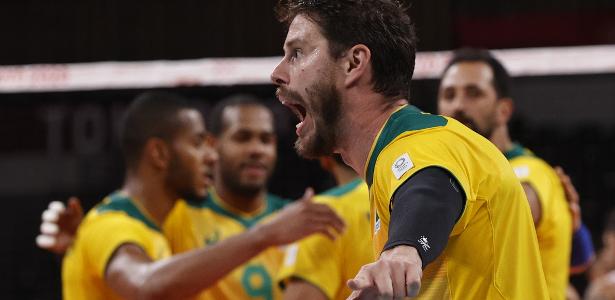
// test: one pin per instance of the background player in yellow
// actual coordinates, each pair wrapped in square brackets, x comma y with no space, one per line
[462,215]
[116,247]
[245,139]
[475,90]
[316,267]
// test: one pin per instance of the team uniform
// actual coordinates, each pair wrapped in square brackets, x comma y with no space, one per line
[328,264]
[492,251]
[200,224]
[554,230]
[116,221]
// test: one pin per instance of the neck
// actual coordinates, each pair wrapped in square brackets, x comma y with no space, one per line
[343,175]
[151,193]
[501,139]
[244,203]
[362,120]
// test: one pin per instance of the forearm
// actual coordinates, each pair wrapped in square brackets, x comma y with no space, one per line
[424,211]
[187,274]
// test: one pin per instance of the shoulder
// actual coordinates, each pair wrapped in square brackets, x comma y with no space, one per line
[117,210]
[275,203]
[527,166]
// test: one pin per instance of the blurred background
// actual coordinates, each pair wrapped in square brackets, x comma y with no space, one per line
[57,132]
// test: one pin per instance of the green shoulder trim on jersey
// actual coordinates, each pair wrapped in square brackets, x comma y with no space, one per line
[343,189]
[274,203]
[516,151]
[119,202]
[406,119]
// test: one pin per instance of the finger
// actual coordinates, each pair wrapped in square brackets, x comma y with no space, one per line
[50,216]
[328,215]
[307,195]
[329,220]
[384,283]
[364,294]
[354,295]
[413,281]
[313,228]
[74,205]
[360,282]
[398,278]
[49,228]
[56,206]
[45,241]
[413,289]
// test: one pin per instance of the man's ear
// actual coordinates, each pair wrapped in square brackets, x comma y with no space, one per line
[505,110]
[357,64]
[157,152]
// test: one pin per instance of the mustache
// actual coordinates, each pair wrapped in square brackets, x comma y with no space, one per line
[253,163]
[464,119]
[288,94]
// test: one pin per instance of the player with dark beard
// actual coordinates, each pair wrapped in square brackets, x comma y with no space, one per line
[449,217]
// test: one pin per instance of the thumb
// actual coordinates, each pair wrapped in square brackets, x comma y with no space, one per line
[74,205]
[307,196]
[359,283]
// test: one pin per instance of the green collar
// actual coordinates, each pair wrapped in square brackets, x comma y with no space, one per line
[516,151]
[273,203]
[120,202]
[408,118]
[342,189]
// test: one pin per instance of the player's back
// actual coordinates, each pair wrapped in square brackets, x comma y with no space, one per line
[115,221]
[554,228]
[492,251]
[327,264]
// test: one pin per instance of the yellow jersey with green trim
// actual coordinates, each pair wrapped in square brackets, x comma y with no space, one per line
[328,264]
[199,224]
[554,229]
[117,220]
[492,251]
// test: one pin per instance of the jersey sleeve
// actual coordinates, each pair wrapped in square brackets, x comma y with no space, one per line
[103,235]
[535,173]
[408,155]
[316,260]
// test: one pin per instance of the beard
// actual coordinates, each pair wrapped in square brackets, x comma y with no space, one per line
[326,113]
[486,131]
[232,180]
[181,180]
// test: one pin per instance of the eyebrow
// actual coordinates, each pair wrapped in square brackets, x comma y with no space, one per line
[290,43]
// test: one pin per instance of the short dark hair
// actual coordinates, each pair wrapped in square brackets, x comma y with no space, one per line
[381,25]
[151,114]
[501,78]
[216,124]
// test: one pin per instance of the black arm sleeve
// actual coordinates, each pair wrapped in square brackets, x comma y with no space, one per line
[424,210]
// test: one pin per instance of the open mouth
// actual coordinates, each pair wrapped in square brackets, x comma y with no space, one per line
[297,108]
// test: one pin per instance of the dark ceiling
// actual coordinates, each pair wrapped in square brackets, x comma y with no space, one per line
[60,31]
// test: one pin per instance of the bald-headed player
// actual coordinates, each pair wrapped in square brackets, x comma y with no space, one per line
[448,213]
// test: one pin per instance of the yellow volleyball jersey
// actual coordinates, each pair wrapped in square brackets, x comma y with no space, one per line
[201,224]
[115,221]
[328,264]
[554,230]
[492,251]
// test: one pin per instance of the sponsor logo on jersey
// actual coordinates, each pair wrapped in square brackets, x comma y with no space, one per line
[401,165]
